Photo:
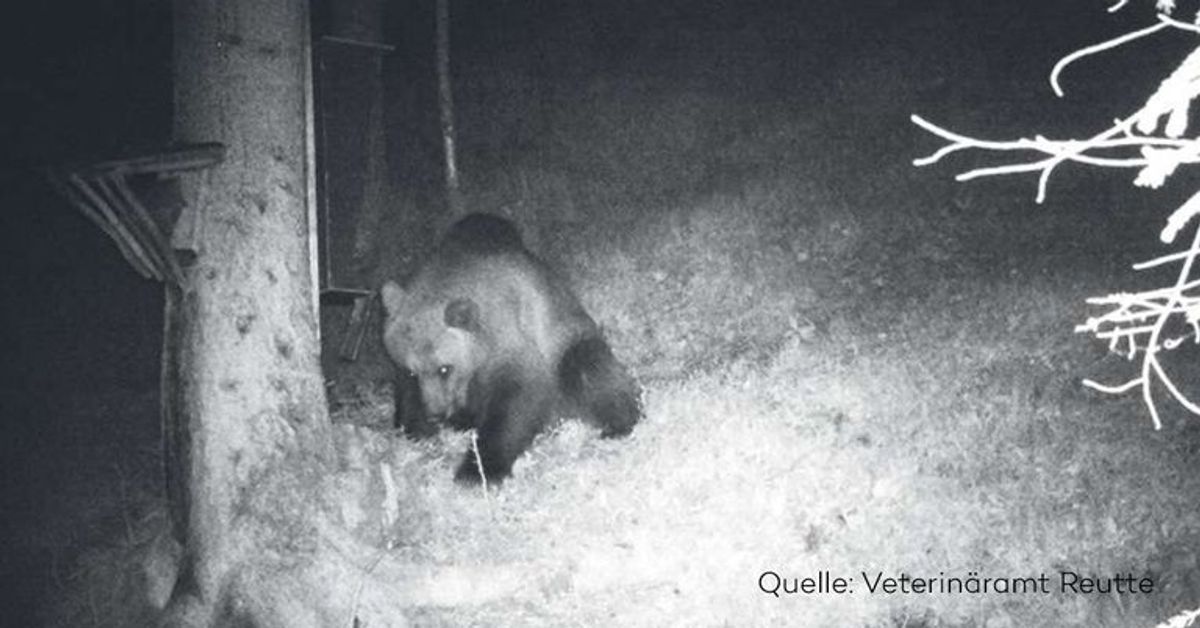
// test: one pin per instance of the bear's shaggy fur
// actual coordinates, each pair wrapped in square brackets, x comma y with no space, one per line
[487,337]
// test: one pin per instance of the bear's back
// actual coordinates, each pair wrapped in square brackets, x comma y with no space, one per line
[483,234]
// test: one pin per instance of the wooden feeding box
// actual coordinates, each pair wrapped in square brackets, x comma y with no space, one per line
[133,201]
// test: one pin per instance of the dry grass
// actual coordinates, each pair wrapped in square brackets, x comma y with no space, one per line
[928,454]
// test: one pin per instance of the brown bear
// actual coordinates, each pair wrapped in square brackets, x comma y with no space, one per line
[486,336]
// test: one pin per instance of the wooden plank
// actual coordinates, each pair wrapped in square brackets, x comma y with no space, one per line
[184,158]
[132,226]
[124,238]
[173,413]
[59,182]
[157,240]
[356,327]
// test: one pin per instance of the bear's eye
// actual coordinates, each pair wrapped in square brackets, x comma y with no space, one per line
[444,371]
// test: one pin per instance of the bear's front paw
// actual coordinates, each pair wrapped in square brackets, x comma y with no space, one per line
[468,472]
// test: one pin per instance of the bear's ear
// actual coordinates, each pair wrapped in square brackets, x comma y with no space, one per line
[392,296]
[462,314]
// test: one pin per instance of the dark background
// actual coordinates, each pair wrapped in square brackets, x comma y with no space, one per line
[81,80]
[78,80]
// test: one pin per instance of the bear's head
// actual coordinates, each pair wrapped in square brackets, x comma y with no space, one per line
[436,340]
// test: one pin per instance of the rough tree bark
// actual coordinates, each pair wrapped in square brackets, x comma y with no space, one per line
[446,107]
[251,391]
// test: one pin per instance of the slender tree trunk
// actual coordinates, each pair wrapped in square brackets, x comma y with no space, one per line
[446,107]
[251,395]
[362,21]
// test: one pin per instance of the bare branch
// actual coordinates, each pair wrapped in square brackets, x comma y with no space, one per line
[1126,321]
[1151,140]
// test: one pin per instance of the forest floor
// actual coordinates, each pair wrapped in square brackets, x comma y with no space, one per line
[828,391]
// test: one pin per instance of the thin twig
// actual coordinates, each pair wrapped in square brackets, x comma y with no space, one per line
[483,481]
[1100,47]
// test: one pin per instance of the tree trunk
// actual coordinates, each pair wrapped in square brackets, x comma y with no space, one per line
[251,395]
[446,107]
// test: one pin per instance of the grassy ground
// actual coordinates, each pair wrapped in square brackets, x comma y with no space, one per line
[926,427]
[893,424]
[850,366]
